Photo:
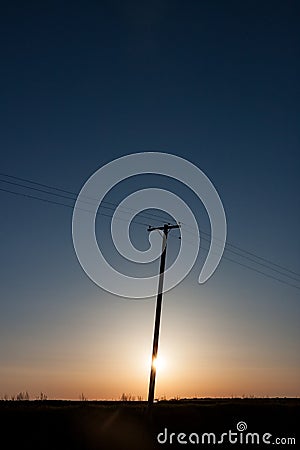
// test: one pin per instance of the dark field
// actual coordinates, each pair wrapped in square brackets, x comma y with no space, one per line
[39,425]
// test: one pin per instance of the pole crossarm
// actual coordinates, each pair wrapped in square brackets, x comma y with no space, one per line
[165,227]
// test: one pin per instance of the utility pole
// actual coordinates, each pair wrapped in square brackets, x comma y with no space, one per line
[165,230]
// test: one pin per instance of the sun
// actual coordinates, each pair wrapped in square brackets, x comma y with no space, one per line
[158,363]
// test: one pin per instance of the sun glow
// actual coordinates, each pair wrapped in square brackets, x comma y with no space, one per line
[158,363]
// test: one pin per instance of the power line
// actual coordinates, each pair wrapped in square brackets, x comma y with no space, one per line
[66,205]
[58,195]
[256,262]
[141,215]
[74,194]
[228,244]
[146,224]
[248,258]
[36,183]
[247,266]
[263,273]
[147,216]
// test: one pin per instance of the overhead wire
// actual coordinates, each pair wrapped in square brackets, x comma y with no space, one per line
[253,260]
[149,215]
[145,215]
[66,205]
[229,244]
[74,194]
[250,267]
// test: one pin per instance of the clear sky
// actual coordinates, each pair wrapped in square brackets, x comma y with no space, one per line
[214,82]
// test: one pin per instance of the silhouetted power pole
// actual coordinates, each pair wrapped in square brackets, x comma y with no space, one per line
[165,230]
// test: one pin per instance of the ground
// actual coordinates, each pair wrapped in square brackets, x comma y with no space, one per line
[92,425]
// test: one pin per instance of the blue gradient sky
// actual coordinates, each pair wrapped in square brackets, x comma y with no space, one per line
[214,82]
